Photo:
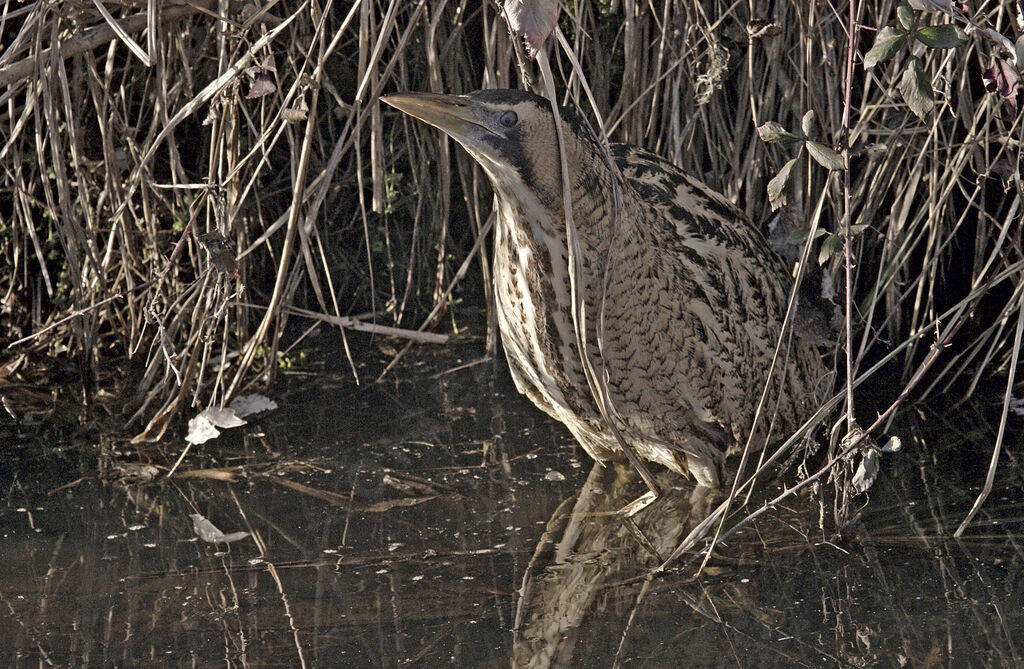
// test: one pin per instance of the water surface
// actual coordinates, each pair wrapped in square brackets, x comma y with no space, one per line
[438,519]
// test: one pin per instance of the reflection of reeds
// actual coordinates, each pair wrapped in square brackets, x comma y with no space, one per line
[120,147]
[780,591]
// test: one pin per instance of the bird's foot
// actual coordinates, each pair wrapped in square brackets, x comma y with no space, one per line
[636,506]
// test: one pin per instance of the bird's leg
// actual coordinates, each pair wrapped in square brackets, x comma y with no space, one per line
[641,538]
[653,491]
[640,503]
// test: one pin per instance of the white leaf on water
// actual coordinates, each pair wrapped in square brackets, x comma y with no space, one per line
[204,426]
[866,472]
[201,430]
[247,405]
[209,532]
[222,417]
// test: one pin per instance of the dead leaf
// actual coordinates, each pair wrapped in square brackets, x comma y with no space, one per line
[1003,80]
[221,251]
[389,504]
[209,533]
[533,20]
[203,427]
[343,500]
[758,28]
[866,472]
[406,485]
[226,474]
[248,405]
[262,84]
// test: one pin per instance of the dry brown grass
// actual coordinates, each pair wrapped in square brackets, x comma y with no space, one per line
[120,147]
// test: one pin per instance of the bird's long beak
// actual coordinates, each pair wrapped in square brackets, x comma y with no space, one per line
[458,117]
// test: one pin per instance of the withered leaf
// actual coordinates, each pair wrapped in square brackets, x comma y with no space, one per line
[533,20]
[1003,80]
[773,133]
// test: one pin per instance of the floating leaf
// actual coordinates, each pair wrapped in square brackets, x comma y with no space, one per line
[247,405]
[209,532]
[825,156]
[888,41]
[773,133]
[917,89]
[807,122]
[222,417]
[866,472]
[945,36]
[204,426]
[201,430]
[779,184]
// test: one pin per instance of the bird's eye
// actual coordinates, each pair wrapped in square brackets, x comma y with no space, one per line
[508,119]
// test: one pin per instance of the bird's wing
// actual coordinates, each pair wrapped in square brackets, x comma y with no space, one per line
[721,293]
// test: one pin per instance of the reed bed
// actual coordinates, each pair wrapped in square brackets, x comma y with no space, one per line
[197,186]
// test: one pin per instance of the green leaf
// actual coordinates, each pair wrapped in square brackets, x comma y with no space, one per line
[773,133]
[832,244]
[825,156]
[779,184]
[807,123]
[888,41]
[945,36]
[905,15]
[800,236]
[932,5]
[916,89]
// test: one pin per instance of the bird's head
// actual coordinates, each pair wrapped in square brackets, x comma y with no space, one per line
[510,133]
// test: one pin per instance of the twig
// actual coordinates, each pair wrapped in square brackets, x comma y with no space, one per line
[361,326]
[994,462]
[98,36]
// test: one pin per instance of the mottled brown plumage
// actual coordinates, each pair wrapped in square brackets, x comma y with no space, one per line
[693,298]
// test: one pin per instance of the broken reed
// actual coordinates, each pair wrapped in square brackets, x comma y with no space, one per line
[121,147]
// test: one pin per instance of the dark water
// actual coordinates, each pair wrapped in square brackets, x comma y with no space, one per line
[438,519]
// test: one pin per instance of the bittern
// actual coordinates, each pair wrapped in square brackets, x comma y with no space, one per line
[684,299]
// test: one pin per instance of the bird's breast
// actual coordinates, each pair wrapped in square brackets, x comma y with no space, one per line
[533,302]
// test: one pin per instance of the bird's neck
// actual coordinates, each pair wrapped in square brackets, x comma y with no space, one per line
[538,208]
